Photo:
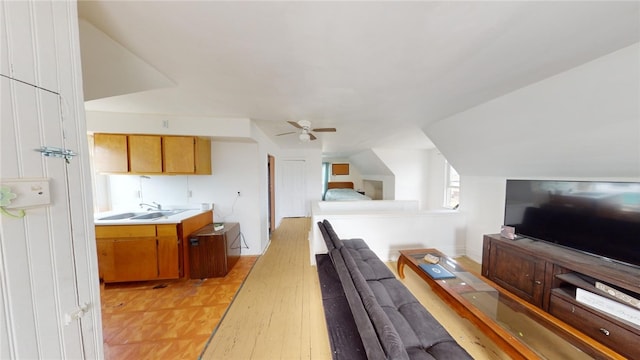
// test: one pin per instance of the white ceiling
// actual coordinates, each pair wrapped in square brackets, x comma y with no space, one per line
[377,71]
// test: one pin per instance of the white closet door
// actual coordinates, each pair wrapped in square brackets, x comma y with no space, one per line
[293,199]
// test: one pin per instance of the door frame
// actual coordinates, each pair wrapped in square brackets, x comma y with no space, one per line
[271,169]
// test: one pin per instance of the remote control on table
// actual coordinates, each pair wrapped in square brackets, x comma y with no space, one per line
[432,259]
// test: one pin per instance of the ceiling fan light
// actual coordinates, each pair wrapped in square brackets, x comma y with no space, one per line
[304,137]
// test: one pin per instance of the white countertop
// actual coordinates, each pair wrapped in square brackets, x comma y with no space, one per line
[172,219]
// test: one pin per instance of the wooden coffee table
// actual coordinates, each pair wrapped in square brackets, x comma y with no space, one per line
[522,330]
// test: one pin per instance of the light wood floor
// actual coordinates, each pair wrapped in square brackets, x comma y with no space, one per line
[278,312]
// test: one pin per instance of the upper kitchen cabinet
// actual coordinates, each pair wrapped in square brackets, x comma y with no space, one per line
[110,153]
[152,154]
[186,155]
[179,154]
[203,156]
[145,154]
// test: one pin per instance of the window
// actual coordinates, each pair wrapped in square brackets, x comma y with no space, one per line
[452,187]
[325,178]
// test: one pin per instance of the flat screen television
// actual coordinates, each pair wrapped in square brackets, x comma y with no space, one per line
[596,217]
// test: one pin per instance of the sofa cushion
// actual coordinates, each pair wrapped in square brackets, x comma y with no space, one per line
[337,243]
[371,267]
[363,322]
[326,237]
[391,342]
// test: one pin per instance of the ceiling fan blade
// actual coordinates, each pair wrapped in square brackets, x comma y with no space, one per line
[325,130]
[287,133]
[295,124]
[312,137]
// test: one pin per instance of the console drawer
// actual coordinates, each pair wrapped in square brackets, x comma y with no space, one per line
[591,323]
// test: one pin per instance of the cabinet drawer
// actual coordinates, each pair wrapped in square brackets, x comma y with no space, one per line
[167,230]
[122,231]
[591,323]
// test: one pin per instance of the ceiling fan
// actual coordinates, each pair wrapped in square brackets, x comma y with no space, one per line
[305,126]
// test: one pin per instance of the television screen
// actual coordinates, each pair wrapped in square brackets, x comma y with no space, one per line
[596,217]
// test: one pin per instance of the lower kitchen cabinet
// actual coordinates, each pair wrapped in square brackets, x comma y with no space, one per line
[137,252]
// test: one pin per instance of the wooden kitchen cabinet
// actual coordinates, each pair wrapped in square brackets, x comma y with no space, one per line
[152,154]
[203,156]
[187,155]
[110,153]
[168,248]
[137,252]
[145,154]
[179,154]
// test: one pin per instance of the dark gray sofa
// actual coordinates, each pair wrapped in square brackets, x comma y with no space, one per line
[391,322]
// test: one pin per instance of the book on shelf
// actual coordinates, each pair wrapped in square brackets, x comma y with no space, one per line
[618,294]
[609,306]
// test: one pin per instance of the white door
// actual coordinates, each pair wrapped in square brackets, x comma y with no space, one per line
[293,198]
[40,281]
[48,265]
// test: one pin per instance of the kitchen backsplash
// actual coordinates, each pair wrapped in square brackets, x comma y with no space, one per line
[128,191]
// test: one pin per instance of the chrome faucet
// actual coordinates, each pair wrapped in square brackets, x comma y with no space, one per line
[155,206]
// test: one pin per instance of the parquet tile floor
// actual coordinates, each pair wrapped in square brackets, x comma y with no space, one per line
[168,319]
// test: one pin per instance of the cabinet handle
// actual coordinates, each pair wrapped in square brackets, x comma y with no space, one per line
[538,282]
[604,331]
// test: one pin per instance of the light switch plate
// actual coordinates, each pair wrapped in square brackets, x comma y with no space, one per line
[30,192]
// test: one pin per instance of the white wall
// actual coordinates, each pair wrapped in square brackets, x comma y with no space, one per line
[410,168]
[436,183]
[126,123]
[482,203]
[372,168]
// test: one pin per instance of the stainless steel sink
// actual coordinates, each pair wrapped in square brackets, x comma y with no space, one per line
[152,215]
[157,214]
[142,215]
[119,216]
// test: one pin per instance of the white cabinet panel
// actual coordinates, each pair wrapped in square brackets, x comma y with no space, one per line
[20,40]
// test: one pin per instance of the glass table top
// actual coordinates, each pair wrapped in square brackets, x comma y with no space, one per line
[507,313]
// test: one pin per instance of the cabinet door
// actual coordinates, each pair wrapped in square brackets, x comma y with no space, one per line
[203,156]
[179,154]
[517,272]
[134,260]
[168,262]
[145,154]
[105,258]
[110,153]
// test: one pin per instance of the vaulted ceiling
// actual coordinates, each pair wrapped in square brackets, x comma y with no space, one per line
[379,72]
